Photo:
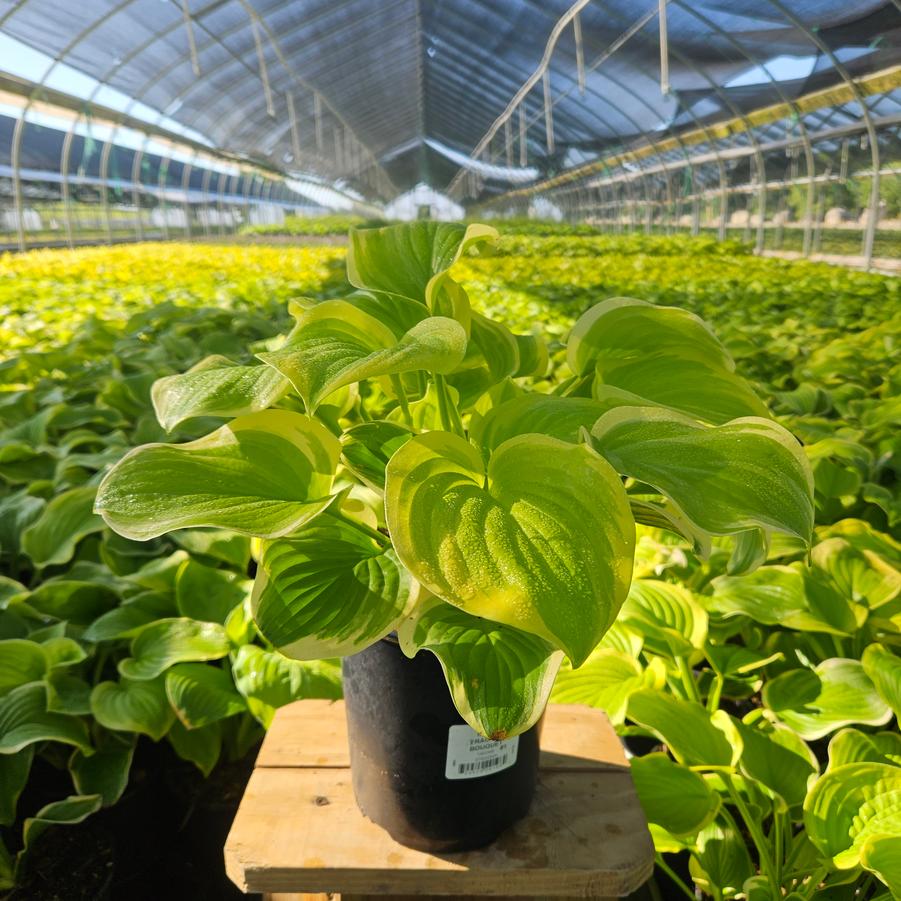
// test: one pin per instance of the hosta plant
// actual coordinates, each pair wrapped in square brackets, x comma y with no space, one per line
[406,467]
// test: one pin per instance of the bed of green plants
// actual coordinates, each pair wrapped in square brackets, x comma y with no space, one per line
[762,706]
[306,226]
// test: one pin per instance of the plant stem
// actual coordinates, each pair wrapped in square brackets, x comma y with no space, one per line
[674,878]
[778,844]
[815,879]
[757,836]
[447,409]
[688,680]
[398,386]
[716,690]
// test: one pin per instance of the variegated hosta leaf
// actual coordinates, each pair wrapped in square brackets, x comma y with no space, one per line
[607,679]
[861,574]
[130,706]
[543,541]
[665,355]
[850,814]
[884,669]
[367,447]
[68,518]
[336,344]
[745,474]
[853,746]
[816,702]
[624,329]
[492,355]
[25,720]
[694,735]
[533,356]
[672,622]
[216,386]
[169,641]
[672,795]
[411,259]
[329,591]
[264,474]
[499,677]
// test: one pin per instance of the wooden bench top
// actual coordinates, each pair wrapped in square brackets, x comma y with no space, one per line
[298,829]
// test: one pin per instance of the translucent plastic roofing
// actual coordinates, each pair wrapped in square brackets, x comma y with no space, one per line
[391,93]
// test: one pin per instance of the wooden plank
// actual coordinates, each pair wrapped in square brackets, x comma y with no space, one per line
[299,829]
[332,896]
[314,734]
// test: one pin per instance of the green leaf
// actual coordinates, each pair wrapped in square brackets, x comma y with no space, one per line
[533,356]
[721,861]
[542,542]
[851,806]
[14,771]
[21,661]
[169,641]
[217,544]
[69,517]
[884,669]
[499,677]
[816,702]
[694,737]
[745,474]
[329,591]
[264,474]
[624,329]
[128,619]
[11,592]
[275,680]
[215,387]
[777,759]
[607,679]
[67,694]
[410,259]
[73,600]
[860,574]
[671,621]
[367,448]
[208,594]
[72,810]
[24,720]
[131,706]
[336,344]
[673,796]
[853,746]
[202,694]
[104,773]
[881,855]
[787,596]
[665,355]
[201,747]
[62,652]
[544,414]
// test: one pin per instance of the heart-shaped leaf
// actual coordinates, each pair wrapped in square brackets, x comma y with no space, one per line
[275,680]
[860,574]
[263,474]
[14,772]
[607,679]
[671,621]
[104,773]
[72,599]
[336,344]
[499,677]
[884,669]
[169,641]
[542,541]
[130,706]
[208,594]
[411,259]
[693,735]
[367,448]
[816,702]
[721,861]
[215,387]
[24,720]
[21,661]
[853,746]
[202,694]
[745,474]
[851,806]
[201,747]
[74,809]
[672,795]
[69,517]
[330,590]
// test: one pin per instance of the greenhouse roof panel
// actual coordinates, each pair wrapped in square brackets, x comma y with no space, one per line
[353,84]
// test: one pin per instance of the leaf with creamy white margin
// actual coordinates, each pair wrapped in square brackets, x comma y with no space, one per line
[169,641]
[264,474]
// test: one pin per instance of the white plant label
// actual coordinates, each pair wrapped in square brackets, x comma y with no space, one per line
[470,756]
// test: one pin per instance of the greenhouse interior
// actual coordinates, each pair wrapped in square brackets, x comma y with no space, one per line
[450,449]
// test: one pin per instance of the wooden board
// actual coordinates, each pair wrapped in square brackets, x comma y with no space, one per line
[298,829]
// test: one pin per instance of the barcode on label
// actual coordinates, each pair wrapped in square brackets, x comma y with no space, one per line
[469,755]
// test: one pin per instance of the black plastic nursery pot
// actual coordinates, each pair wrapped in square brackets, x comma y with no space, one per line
[418,770]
